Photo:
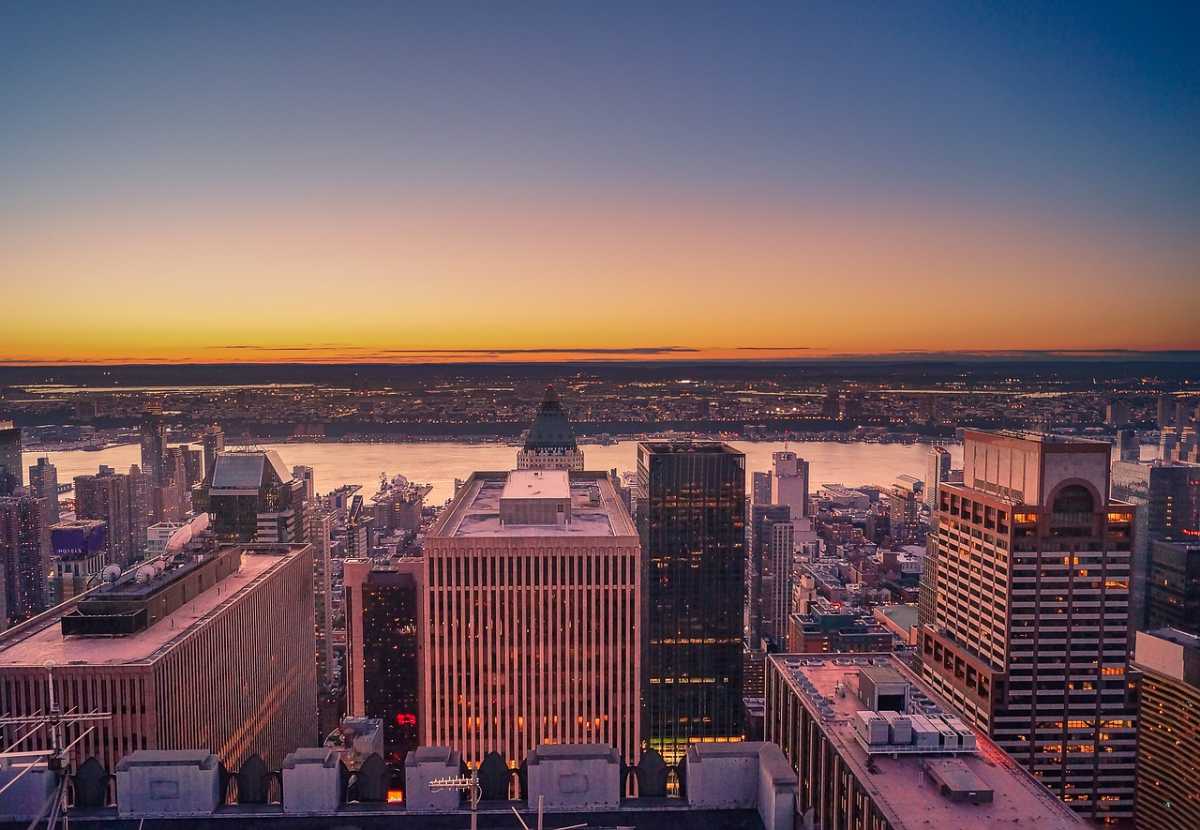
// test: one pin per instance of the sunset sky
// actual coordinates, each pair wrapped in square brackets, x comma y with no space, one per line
[211,182]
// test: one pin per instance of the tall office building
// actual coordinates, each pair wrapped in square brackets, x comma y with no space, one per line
[1031,612]
[24,555]
[550,444]
[106,496]
[532,593]
[938,472]
[1167,501]
[11,471]
[305,475]
[760,490]
[153,440]
[213,652]
[1129,447]
[790,476]
[320,533]
[212,439]
[358,530]
[875,748]
[692,522]
[1168,745]
[1173,598]
[253,497]
[43,484]
[383,648]
[769,574]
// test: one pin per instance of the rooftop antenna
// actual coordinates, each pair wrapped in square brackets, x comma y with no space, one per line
[463,783]
[57,755]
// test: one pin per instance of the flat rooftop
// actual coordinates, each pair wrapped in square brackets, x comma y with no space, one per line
[899,784]
[41,641]
[596,510]
[688,447]
[537,484]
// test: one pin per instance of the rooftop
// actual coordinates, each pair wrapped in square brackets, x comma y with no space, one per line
[687,447]
[898,784]
[551,429]
[596,509]
[242,470]
[41,641]
[537,484]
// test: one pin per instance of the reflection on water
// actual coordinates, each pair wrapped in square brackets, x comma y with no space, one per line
[440,463]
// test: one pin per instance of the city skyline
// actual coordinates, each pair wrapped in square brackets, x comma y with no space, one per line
[448,184]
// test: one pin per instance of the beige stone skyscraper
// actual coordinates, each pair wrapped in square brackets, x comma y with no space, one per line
[532,596]
[1029,586]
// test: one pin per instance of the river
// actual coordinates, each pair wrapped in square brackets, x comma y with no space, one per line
[440,463]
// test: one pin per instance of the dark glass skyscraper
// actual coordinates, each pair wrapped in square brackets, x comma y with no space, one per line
[692,523]
[383,676]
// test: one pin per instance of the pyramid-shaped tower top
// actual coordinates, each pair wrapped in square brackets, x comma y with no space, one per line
[551,429]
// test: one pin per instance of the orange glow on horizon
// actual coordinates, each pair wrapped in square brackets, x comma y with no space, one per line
[453,279]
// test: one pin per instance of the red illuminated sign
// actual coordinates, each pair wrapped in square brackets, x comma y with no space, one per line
[406,719]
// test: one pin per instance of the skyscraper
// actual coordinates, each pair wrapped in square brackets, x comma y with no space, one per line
[791,482]
[43,484]
[1030,616]
[692,522]
[938,472]
[1166,497]
[1173,579]
[213,441]
[320,531]
[106,496]
[252,497]
[769,574]
[1168,744]
[531,596]
[760,492]
[153,440]
[24,555]
[11,471]
[550,444]
[383,648]
[214,652]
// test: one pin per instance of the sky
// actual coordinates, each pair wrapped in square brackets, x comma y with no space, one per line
[245,182]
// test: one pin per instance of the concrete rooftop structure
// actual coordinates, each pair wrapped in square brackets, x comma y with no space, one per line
[595,508]
[903,785]
[42,640]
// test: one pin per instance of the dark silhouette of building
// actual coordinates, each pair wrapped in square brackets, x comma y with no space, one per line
[550,444]
[43,484]
[383,636]
[10,458]
[692,523]
[1173,598]
[24,554]
[254,498]
[768,574]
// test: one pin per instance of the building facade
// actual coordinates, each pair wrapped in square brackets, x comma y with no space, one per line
[1168,748]
[938,472]
[769,569]
[1030,613]
[11,469]
[254,498]
[876,749]
[692,522]
[383,648]
[24,555]
[532,593]
[1173,598]
[43,484]
[790,480]
[230,668]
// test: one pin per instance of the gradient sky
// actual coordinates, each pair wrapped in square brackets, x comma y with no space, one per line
[381,181]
